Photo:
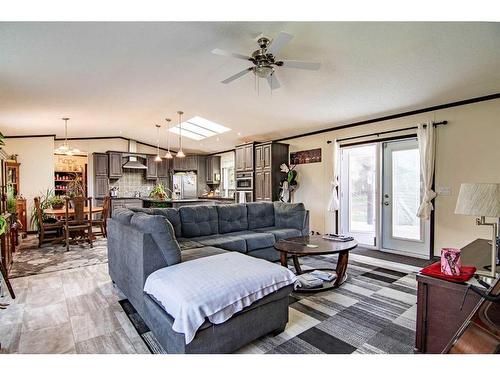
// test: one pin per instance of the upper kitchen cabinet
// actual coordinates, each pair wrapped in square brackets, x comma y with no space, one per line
[115,164]
[152,171]
[164,168]
[188,163]
[244,157]
[213,169]
[101,164]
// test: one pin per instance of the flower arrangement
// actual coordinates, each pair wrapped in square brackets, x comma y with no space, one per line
[289,185]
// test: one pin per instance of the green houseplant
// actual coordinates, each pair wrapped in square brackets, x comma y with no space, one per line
[56,202]
[44,204]
[159,192]
[11,200]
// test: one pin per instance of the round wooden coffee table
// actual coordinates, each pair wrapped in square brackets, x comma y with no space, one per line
[315,245]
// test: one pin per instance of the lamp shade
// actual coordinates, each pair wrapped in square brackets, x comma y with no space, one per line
[479,200]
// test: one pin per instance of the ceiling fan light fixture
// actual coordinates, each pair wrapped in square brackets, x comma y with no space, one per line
[263,71]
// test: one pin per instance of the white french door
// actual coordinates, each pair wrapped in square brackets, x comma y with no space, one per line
[358,193]
[380,191]
[402,230]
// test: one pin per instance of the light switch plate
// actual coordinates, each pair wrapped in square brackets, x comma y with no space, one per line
[443,191]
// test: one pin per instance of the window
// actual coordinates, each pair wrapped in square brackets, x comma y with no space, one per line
[198,128]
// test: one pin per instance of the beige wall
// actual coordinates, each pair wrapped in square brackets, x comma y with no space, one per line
[37,166]
[468,150]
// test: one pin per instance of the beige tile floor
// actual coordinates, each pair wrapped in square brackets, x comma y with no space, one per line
[70,311]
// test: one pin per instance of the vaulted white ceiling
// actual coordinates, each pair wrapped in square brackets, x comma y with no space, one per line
[122,78]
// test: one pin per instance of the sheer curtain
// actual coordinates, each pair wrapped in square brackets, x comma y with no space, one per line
[334,204]
[427,147]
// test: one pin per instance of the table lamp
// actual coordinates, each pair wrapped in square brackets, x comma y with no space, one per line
[483,200]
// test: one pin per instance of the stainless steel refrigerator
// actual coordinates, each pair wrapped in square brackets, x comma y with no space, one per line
[185,185]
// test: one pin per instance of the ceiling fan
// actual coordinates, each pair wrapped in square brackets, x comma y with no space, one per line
[265,61]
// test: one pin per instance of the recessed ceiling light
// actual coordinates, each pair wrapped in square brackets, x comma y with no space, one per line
[198,128]
[239,134]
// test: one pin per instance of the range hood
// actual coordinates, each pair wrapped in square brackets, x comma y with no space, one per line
[132,162]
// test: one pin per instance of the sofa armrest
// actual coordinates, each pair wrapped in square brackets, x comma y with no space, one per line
[132,257]
[305,228]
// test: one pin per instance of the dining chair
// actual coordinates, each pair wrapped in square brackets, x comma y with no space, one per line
[103,220]
[47,230]
[79,222]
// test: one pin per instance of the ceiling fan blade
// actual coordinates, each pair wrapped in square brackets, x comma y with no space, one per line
[279,42]
[237,75]
[273,81]
[301,65]
[221,52]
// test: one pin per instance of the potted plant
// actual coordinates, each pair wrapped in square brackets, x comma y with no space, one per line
[11,200]
[75,188]
[56,202]
[159,192]
[44,203]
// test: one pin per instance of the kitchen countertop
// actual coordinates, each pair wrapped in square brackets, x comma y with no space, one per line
[218,198]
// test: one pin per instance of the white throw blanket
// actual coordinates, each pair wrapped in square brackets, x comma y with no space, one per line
[214,287]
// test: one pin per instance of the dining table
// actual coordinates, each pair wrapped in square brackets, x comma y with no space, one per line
[71,211]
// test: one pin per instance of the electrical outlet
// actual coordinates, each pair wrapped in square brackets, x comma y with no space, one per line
[444,191]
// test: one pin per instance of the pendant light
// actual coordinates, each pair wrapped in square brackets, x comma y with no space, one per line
[180,153]
[158,157]
[64,149]
[168,155]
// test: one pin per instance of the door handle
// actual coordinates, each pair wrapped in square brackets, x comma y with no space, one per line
[386,203]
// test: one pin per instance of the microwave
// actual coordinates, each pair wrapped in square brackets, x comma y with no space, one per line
[244,181]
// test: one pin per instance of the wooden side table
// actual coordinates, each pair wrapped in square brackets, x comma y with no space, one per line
[441,308]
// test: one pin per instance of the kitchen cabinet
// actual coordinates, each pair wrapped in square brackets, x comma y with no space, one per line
[188,163]
[244,157]
[268,158]
[101,186]
[164,168]
[115,164]
[152,171]
[100,164]
[213,169]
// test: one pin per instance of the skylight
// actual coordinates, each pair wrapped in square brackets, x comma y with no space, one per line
[198,128]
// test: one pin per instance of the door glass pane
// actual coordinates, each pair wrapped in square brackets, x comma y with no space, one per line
[406,194]
[362,181]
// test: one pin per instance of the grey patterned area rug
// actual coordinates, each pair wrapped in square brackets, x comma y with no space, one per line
[31,260]
[374,311]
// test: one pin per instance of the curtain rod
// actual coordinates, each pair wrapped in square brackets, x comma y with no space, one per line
[385,132]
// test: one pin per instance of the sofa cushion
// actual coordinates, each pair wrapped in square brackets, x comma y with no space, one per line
[226,242]
[256,240]
[232,217]
[260,214]
[289,215]
[198,221]
[172,214]
[188,243]
[201,252]
[281,233]
[162,233]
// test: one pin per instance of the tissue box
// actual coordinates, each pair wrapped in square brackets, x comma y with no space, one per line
[450,262]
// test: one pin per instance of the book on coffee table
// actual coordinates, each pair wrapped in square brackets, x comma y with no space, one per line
[308,281]
[326,276]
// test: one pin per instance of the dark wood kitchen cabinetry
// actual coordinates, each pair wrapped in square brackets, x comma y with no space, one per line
[188,163]
[244,157]
[268,158]
[213,169]
[115,165]
[100,164]
[152,171]
[101,180]
[164,167]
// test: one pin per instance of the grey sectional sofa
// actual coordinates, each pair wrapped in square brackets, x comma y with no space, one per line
[141,241]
